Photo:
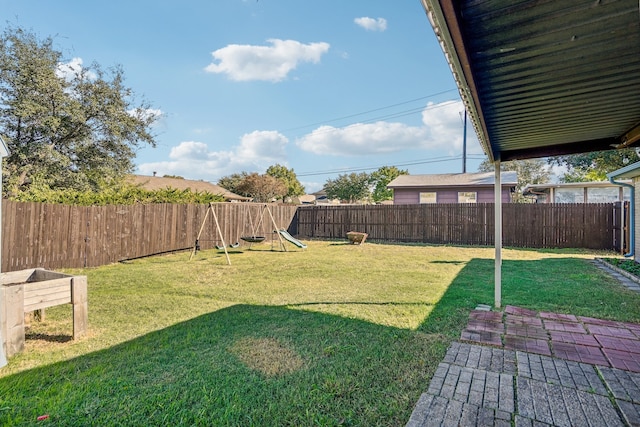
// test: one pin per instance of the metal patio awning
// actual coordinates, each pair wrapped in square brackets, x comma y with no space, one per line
[544,78]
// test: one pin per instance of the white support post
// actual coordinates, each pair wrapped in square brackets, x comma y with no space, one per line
[498,235]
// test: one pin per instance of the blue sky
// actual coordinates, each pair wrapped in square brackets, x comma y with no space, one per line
[324,88]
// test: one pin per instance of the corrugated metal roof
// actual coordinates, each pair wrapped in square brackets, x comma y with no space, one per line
[547,77]
[507,178]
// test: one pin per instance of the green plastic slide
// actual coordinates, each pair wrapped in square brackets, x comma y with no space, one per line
[288,237]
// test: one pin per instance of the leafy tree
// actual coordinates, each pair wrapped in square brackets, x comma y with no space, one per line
[263,188]
[593,166]
[379,180]
[65,128]
[288,176]
[349,188]
[530,171]
[232,182]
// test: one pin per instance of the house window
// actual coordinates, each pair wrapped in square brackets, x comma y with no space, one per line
[467,197]
[569,195]
[603,195]
[429,197]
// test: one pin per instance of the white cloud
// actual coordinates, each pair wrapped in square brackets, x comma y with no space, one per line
[445,122]
[268,63]
[192,159]
[359,138]
[371,24]
[190,150]
[72,69]
[262,146]
[442,129]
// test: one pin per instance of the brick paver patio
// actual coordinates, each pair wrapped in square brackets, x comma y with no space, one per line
[529,369]
[580,339]
[523,368]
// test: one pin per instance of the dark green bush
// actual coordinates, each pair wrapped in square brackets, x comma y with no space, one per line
[124,194]
[628,265]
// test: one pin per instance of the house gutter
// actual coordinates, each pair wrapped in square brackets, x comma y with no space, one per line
[632,209]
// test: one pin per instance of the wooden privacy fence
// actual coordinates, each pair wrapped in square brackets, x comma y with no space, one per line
[59,236]
[524,225]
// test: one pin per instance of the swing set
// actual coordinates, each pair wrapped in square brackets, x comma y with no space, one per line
[252,238]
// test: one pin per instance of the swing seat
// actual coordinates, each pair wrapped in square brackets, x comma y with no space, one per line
[253,239]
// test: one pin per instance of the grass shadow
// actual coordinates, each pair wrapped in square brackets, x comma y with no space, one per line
[381,303]
[211,371]
[58,338]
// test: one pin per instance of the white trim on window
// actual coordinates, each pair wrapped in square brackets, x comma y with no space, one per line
[428,197]
[467,197]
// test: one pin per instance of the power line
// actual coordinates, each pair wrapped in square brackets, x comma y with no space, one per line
[381,118]
[368,112]
[366,168]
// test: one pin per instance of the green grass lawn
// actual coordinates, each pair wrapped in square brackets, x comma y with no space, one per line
[334,335]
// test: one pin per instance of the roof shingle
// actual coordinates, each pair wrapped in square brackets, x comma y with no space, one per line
[453,180]
[158,183]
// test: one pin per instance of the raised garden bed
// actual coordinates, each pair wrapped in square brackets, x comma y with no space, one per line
[26,291]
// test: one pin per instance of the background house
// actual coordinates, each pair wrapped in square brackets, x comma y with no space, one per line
[158,183]
[322,199]
[451,188]
[577,192]
[305,199]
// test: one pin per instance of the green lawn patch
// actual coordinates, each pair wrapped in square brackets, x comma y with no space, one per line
[334,335]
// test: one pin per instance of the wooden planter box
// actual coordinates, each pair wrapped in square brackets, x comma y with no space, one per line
[356,238]
[34,289]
